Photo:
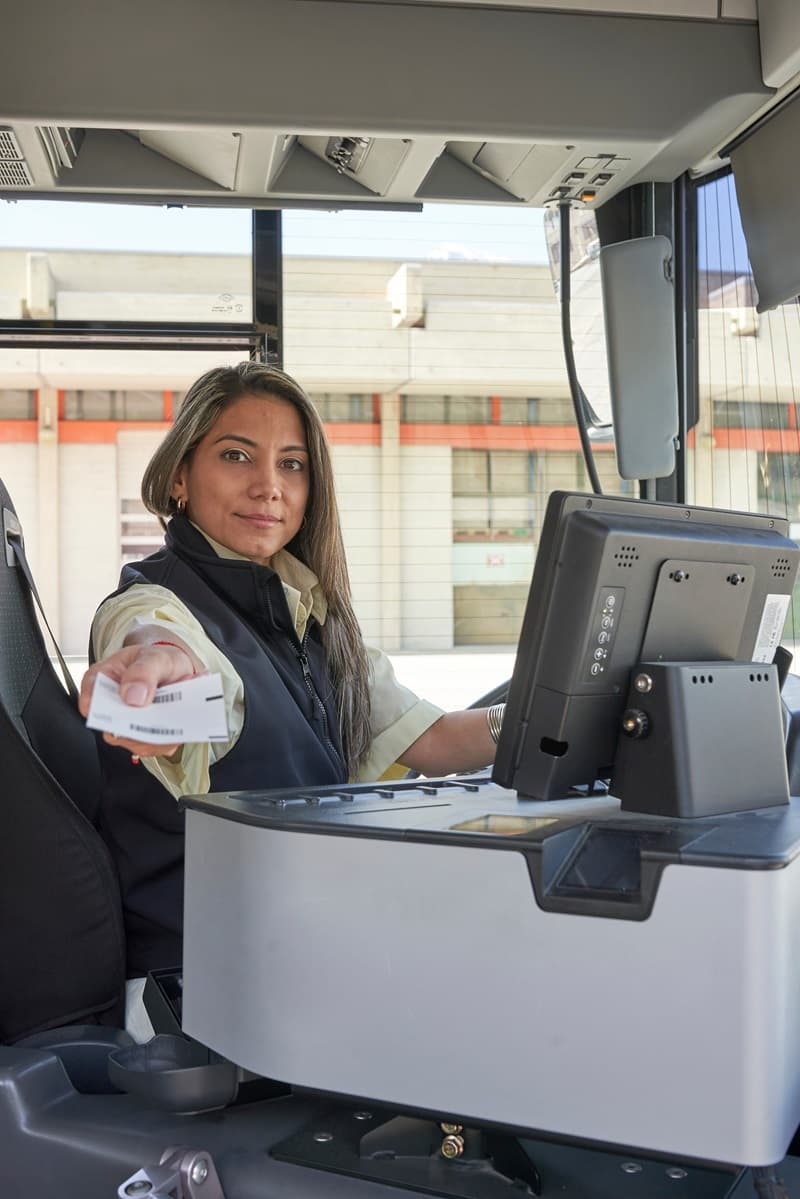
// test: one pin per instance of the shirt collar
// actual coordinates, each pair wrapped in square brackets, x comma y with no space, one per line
[299,581]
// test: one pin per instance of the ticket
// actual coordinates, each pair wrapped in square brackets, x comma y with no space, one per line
[192,710]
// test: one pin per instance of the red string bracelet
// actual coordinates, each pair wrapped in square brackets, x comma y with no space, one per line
[183,650]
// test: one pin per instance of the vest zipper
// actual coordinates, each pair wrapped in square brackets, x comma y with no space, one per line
[308,679]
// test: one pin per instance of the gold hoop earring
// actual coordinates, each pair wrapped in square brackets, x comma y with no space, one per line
[180,505]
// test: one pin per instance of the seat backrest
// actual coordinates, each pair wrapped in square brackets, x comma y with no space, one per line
[30,689]
[62,944]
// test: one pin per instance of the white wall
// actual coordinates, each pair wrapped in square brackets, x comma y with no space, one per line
[89,520]
[425,547]
[357,471]
[19,474]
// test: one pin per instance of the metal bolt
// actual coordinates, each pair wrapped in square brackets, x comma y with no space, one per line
[676,1172]
[141,1187]
[456,1128]
[631,1168]
[362,1115]
[452,1146]
[643,683]
[199,1171]
[322,1137]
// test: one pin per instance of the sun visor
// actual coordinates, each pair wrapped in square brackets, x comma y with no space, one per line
[766,168]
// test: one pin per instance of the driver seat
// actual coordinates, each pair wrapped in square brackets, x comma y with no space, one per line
[62,941]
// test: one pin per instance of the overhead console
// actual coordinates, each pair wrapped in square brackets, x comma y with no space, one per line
[363,103]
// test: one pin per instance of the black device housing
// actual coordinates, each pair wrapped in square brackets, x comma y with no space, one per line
[617,582]
[701,739]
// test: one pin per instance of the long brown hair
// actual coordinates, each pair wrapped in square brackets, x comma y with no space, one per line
[318,543]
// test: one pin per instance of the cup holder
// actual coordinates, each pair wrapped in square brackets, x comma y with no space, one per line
[174,1074]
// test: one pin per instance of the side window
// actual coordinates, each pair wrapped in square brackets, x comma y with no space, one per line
[744,449]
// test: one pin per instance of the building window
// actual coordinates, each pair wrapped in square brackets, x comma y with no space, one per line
[114,405]
[423,410]
[446,410]
[530,410]
[743,414]
[17,405]
[344,409]
[140,531]
[493,495]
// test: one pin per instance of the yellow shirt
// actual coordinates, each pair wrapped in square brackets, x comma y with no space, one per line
[398,716]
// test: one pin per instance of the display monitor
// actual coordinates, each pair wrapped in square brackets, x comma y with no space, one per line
[620,581]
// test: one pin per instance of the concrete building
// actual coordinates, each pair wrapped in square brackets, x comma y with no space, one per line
[445,397]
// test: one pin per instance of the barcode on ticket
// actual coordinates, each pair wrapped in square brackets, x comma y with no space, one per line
[168,699]
[143,728]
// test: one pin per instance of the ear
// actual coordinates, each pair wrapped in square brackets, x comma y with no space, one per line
[179,490]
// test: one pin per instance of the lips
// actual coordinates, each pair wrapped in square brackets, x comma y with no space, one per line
[260,520]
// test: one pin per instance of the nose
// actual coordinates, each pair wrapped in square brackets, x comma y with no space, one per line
[267,484]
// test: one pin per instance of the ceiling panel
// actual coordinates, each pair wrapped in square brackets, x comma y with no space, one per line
[397,102]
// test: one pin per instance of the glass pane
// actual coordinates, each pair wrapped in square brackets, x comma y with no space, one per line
[470,472]
[17,405]
[344,408]
[469,410]
[424,409]
[114,405]
[77,262]
[586,305]
[510,472]
[744,449]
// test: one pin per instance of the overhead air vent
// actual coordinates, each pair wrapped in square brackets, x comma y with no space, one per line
[347,153]
[15,174]
[13,167]
[368,162]
[61,145]
[10,150]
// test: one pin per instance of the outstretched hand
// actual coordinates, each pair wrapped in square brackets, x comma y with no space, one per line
[138,670]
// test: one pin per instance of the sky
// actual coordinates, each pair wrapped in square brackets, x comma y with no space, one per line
[473,232]
[440,231]
[721,243]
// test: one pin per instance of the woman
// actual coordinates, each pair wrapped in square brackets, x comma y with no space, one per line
[251,583]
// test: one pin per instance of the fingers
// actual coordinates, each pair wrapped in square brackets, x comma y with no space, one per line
[151,666]
[139,670]
[113,667]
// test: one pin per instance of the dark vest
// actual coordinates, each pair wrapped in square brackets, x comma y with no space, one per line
[290,735]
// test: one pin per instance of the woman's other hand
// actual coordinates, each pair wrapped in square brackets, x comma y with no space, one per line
[143,664]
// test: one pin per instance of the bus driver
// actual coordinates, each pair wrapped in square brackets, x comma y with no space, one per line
[251,583]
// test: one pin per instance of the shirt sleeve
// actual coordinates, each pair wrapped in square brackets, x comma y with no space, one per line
[398,718]
[149,604]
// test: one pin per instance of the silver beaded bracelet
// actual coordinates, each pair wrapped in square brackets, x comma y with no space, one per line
[494,719]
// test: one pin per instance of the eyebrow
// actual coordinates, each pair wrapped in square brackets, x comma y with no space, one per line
[248,441]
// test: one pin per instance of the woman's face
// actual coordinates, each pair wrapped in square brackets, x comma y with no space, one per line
[247,482]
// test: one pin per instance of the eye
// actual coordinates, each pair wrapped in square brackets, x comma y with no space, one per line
[235,455]
[293,464]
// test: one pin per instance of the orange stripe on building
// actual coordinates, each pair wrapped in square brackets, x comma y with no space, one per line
[775,441]
[104,432]
[353,433]
[497,437]
[19,430]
